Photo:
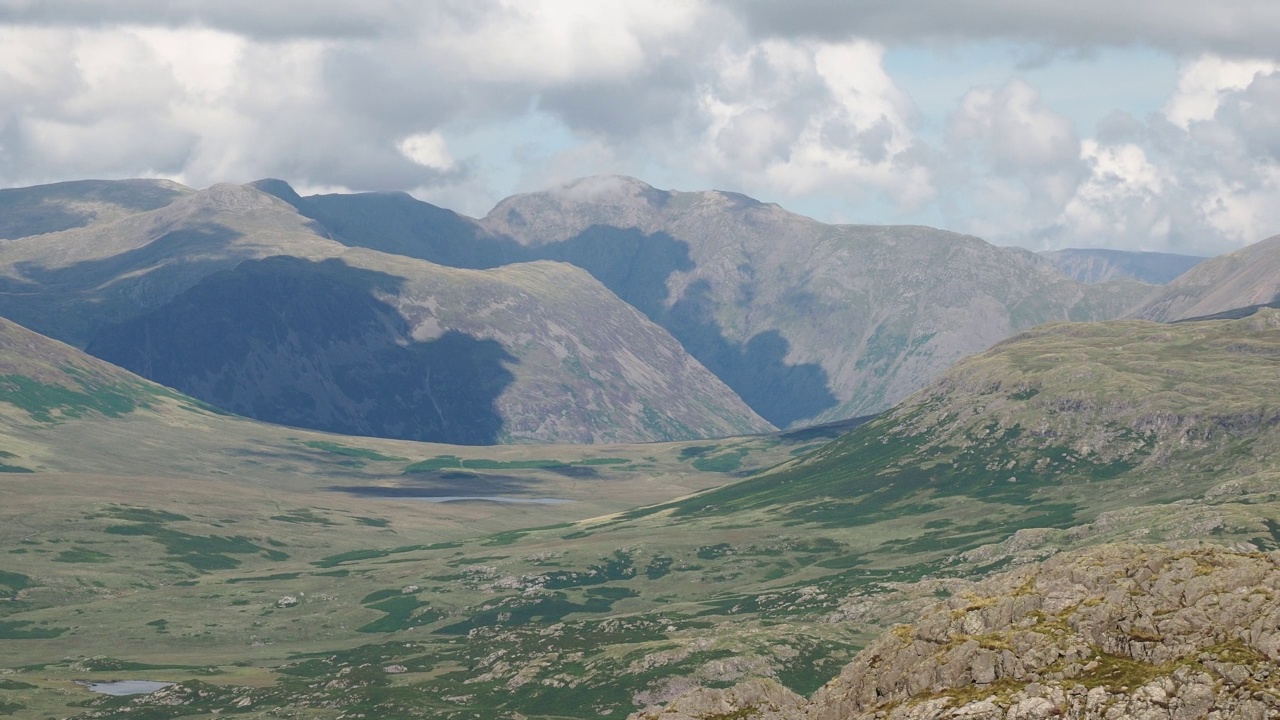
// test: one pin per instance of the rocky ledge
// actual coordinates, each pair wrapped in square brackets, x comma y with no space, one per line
[1114,632]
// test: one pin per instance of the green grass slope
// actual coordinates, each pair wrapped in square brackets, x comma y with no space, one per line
[1066,436]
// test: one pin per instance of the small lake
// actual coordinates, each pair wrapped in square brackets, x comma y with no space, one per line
[127,687]
[441,495]
[494,498]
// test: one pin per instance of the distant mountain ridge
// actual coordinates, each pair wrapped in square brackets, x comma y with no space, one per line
[328,336]
[807,322]
[803,322]
[1094,265]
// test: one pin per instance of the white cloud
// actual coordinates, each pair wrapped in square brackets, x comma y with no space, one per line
[428,150]
[1121,199]
[1204,81]
[805,117]
[792,101]
[1014,129]
[569,41]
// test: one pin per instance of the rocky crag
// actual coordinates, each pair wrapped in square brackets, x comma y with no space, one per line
[1184,632]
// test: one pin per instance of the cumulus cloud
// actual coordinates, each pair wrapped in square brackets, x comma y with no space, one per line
[1200,177]
[428,150]
[1204,82]
[1019,159]
[806,116]
[789,101]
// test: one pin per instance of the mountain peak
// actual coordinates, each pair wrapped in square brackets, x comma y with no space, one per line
[594,188]
[278,188]
[232,197]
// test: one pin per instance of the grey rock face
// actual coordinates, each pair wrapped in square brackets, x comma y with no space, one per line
[1115,632]
[808,322]
[1249,276]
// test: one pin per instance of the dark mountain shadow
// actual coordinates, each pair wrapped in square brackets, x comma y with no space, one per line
[395,222]
[757,369]
[1233,314]
[827,431]
[306,344]
[636,267]
[72,303]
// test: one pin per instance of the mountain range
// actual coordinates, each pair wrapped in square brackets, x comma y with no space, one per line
[698,314]
[1247,277]
[807,322]
[358,341]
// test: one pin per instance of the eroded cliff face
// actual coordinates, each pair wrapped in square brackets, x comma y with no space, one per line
[1113,632]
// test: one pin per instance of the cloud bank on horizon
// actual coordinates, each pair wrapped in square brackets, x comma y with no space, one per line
[804,103]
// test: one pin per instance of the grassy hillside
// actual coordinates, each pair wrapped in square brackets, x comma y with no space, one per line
[1066,436]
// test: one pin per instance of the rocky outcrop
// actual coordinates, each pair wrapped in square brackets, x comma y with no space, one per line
[1114,632]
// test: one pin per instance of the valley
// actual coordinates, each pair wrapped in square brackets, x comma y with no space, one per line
[678,360]
[260,599]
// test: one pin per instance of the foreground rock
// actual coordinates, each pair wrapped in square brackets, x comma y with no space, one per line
[1114,632]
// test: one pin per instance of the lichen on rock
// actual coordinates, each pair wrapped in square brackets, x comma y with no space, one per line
[1182,632]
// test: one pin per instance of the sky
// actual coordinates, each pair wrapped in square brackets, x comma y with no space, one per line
[1130,124]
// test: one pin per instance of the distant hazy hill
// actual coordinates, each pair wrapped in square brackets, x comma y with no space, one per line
[360,341]
[807,322]
[1248,276]
[1095,265]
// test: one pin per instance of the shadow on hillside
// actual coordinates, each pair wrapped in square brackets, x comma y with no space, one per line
[73,303]
[634,265]
[53,208]
[1234,313]
[446,483]
[308,344]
